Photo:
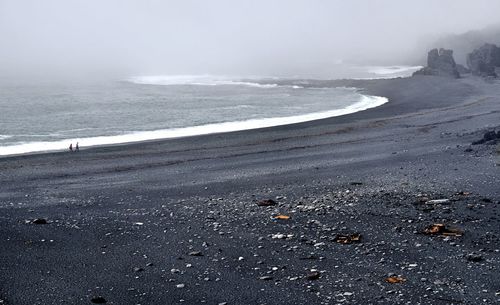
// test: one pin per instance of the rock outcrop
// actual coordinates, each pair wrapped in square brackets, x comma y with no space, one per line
[482,61]
[462,69]
[490,137]
[440,62]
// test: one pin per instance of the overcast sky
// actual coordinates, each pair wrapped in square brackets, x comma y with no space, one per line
[254,37]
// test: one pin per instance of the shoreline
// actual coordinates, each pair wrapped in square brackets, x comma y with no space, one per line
[360,85]
[365,102]
[178,221]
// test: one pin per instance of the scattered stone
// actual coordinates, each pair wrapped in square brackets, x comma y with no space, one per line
[266,278]
[281,217]
[395,279]
[313,275]
[441,229]
[39,221]
[348,238]
[98,300]
[489,137]
[438,201]
[266,202]
[281,236]
[473,257]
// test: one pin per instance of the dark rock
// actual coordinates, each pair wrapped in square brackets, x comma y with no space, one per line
[266,278]
[313,275]
[98,300]
[266,203]
[39,221]
[441,63]
[473,257]
[489,137]
[482,61]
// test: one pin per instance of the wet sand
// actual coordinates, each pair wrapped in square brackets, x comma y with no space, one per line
[177,221]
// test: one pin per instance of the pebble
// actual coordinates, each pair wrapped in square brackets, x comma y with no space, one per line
[39,221]
[313,275]
[98,300]
[266,278]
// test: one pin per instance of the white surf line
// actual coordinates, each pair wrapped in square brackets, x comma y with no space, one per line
[366,102]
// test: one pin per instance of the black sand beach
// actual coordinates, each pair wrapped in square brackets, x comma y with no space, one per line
[177,221]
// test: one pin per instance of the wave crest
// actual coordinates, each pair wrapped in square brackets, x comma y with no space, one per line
[197,80]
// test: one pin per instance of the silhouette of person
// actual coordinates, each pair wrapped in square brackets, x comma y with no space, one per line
[77,148]
[71,147]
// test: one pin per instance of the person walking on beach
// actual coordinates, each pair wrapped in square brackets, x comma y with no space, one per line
[71,147]
[77,148]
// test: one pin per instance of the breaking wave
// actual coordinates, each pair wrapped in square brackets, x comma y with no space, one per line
[393,70]
[199,80]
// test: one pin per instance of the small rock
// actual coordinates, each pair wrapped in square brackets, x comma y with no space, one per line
[266,202]
[39,221]
[266,278]
[138,269]
[438,201]
[313,275]
[180,285]
[98,300]
[473,257]
[195,253]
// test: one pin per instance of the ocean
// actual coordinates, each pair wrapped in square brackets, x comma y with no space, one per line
[50,116]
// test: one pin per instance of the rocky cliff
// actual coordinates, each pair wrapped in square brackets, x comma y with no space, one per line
[440,62]
[483,61]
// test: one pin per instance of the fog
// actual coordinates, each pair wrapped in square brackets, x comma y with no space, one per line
[120,38]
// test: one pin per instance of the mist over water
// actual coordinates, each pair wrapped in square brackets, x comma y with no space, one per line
[87,40]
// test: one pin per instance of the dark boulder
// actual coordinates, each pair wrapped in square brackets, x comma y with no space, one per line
[482,61]
[39,221]
[490,137]
[266,203]
[98,300]
[441,63]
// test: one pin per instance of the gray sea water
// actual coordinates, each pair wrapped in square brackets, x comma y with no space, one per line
[50,116]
